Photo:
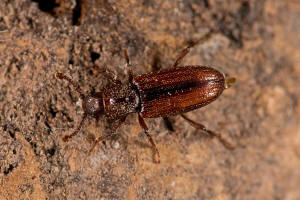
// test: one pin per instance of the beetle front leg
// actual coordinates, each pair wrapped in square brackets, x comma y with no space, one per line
[196,125]
[111,76]
[104,137]
[144,126]
[128,66]
[108,74]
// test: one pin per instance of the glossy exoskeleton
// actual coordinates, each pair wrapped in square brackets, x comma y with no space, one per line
[159,94]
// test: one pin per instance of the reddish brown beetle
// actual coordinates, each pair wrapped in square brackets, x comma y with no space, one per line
[158,94]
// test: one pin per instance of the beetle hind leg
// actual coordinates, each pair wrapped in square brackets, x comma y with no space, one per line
[199,126]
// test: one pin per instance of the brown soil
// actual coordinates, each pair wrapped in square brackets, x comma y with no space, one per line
[257,42]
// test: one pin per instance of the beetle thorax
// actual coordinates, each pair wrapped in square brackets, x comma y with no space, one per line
[119,101]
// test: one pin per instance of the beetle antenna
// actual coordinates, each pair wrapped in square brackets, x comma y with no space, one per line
[67,137]
[78,89]
[75,85]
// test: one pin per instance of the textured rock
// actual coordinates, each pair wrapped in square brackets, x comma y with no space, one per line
[257,42]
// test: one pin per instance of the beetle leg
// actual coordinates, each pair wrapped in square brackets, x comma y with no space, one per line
[144,126]
[212,133]
[99,139]
[185,51]
[181,56]
[128,66]
[112,77]
[168,124]
[67,137]
[103,137]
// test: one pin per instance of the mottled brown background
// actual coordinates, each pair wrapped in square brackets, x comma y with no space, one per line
[257,42]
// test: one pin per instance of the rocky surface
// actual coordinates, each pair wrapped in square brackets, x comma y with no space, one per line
[256,41]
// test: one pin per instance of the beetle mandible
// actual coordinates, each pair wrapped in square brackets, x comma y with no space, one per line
[158,94]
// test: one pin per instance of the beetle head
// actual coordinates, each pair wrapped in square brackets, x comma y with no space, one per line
[93,105]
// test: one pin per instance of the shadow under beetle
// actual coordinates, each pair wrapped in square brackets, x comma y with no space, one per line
[159,94]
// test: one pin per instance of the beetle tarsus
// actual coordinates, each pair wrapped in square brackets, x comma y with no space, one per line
[97,140]
[144,126]
[103,137]
[199,126]
[185,51]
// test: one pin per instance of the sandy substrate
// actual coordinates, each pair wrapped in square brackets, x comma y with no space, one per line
[257,42]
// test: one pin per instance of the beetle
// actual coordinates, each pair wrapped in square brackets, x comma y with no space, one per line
[158,94]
